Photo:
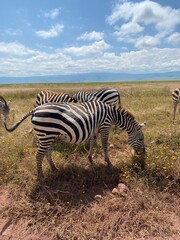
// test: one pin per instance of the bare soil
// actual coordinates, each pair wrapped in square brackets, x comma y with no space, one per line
[15,230]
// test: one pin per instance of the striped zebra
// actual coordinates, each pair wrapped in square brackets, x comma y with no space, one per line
[4,107]
[105,95]
[176,100]
[76,123]
[48,96]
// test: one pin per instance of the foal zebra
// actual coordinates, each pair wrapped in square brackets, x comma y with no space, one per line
[48,96]
[176,99]
[76,123]
[105,95]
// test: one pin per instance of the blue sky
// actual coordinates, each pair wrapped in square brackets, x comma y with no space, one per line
[51,37]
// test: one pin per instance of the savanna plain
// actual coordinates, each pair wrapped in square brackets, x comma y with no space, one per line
[78,202]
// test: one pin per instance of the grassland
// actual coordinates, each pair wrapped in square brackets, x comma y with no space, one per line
[64,206]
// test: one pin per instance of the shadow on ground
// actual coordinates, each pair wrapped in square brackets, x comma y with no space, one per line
[76,185]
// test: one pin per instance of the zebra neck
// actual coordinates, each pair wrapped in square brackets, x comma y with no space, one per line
[125,120]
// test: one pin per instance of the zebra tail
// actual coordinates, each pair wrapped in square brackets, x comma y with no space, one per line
[11,129]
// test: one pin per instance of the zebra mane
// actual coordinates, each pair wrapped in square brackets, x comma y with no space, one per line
[126,112]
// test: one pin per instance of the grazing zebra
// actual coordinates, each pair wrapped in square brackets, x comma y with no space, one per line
[105,95]
[176,99]
[76,123]
[48,96]
[4,107]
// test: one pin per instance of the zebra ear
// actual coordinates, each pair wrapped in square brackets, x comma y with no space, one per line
[142,124]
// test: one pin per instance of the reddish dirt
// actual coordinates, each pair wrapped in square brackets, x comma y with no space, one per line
[5,223]
[10,230]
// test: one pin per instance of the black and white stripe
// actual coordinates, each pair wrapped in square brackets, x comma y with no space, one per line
[105,95]
[46,96]
[76,123]
[176,100]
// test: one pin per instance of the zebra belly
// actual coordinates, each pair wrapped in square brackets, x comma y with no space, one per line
[46,136]
[65,138]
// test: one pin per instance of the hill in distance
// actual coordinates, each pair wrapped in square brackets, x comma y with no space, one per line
[93,77]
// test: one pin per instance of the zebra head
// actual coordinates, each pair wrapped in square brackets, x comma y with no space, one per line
[4,107]
[125,120]
[136,140]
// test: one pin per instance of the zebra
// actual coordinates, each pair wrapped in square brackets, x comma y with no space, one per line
[76,123]
[46,96]
[108,96]
[176,100]
[4,107]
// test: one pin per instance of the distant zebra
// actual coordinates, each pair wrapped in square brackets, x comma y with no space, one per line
[108,96]
[76,123]
[176,99]
[46,96]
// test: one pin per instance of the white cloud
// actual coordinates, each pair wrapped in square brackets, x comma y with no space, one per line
[146,12]
[54,31]
[120,11]
[15,49]
[163,20]
[62,61]
[174,38]
[52,14]
[91,36]
[144,60]
[128,30]
[147,42]
[97,48]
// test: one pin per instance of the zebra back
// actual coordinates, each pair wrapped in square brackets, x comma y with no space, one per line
[49,97]
[108,96]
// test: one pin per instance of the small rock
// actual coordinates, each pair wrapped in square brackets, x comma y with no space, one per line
[115,191]
[123,188]
[97,197]
[111,146]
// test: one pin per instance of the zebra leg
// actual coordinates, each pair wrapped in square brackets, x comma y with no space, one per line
[91,145]
[39,158]
[42,151]
[175,106]
[50,161]
[104,138]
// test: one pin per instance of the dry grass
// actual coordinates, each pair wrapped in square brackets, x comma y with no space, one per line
[63,205]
